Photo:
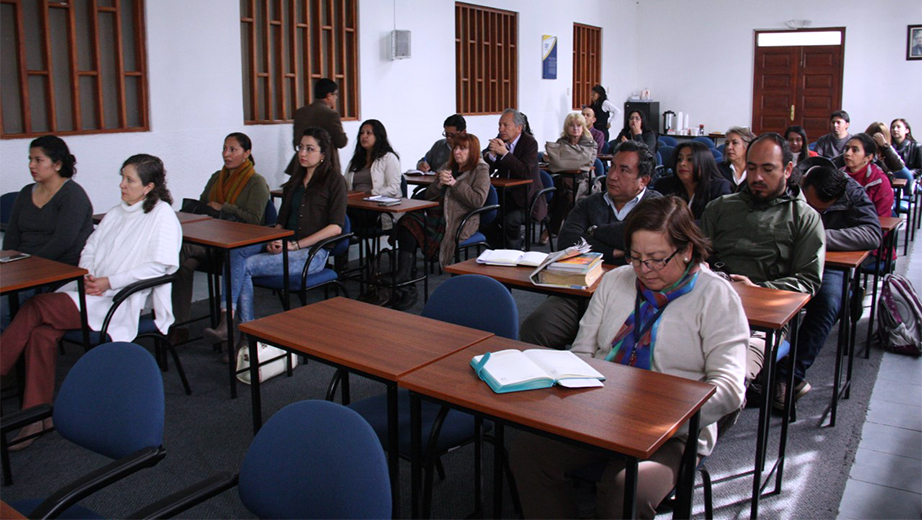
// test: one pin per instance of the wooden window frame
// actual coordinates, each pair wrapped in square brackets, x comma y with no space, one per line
[486,59]
[284,81]
[24,73]
[587,62]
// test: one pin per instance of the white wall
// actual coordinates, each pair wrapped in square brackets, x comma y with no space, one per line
[681,51]
[697,56]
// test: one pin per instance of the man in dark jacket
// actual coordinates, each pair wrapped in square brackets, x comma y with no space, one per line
[321,113]
[513,154]
[598,218]
[851,224]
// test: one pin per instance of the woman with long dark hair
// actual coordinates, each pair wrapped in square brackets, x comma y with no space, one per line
[906,145]
[697,180]
[636,129]
[375,169]
[138,239]
[796,137]
[604,110]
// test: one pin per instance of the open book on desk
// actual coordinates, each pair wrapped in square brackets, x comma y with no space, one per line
[515,370]
[511,257]
[383,201]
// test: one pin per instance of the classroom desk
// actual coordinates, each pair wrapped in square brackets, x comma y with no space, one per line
[770,310]
[518,278]
[375,342]
[223,235]
[406,206]
[848,262]
[632,415]
[889,226]
[36,271]
[182,216]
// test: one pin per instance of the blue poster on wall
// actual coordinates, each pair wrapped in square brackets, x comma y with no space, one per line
[548,57]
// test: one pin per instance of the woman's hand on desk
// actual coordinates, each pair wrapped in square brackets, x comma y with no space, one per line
[96,286]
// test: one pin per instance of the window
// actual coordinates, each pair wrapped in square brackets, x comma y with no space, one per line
[486,57]
[72,67]
[587,62]
[287,45]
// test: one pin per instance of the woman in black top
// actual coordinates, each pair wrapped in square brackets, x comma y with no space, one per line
[636,130]
[603,109]
[697,180]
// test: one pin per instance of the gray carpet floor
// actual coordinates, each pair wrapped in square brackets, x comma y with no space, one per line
[208,432]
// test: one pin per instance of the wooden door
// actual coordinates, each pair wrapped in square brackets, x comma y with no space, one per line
[797,85]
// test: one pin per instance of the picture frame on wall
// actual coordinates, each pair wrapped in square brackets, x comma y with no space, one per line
[914,42]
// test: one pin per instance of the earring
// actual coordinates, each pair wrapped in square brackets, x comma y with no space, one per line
[686,259]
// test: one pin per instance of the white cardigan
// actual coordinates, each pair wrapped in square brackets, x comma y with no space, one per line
[127,246]
[385,176]
[702,335]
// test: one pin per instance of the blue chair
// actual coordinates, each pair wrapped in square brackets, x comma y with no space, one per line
[659,158]
[487,214]
[666,152]
[312,459]
[147,328]
[111,403]
[547,191]
[812,146]
[704,140]
[722,149]
[717,155]
[606,148]
[598,167]
[271,216]
[302,282]
[6,208]
[474,301]
[667,140]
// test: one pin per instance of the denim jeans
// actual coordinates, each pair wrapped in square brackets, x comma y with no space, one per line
[822,313]
[247,262]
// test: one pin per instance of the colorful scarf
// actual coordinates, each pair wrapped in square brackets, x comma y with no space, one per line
[633,344]
[231,183]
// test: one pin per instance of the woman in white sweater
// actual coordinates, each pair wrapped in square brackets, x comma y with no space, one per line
[666,312]
[138,239]
[374,168]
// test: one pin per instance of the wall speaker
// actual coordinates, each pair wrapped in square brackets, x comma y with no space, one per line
[400,45]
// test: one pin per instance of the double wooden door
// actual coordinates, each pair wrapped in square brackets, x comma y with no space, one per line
[799,85]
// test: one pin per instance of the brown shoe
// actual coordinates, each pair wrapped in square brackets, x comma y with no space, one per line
[217,334]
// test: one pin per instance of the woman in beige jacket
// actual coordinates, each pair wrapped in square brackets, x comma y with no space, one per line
[462,188]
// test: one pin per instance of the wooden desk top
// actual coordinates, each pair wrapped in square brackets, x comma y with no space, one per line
[845,259]
[770,308]
[182,216]
[229,235]
[34,271]
[371,339]
[8,513]
[425,180]
[899,182]
[888,224]
[633,414]
[277,193]
[518,276]
[406,205]
[420,180]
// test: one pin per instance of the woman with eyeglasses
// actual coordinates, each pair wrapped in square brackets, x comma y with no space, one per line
[682,320]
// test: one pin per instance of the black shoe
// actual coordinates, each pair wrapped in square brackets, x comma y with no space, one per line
[406,298]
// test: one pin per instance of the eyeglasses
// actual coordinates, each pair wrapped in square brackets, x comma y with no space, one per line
[653,265]
[307,149]
[449,135]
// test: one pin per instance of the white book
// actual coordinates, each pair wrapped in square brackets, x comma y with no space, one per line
[515,370]
[511,257]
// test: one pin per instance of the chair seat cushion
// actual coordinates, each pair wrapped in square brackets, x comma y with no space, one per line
[294,281]
[145,326]
[457,429]
[76,511]
[474,239]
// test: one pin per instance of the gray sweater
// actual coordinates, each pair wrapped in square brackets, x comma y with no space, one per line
[851,223]
[57,231]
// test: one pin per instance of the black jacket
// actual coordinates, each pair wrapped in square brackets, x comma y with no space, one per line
[522,163]
[673,186]
[851,222]
[594,211]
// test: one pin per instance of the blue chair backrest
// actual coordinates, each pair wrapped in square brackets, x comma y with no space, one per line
[599,167]
[722,149]
[666,153]
[705,140]
[659,158]
[667,140]
[812,146]
[717,155]
[475,301]
[6,206]
[403,186]
[111,401]
[316,459]
[492,200]
[271,216]
[606,147]
[343,245]
[547,182]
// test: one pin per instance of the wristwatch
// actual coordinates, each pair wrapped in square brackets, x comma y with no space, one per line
[591,230]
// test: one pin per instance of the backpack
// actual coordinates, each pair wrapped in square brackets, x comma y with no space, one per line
[900,316]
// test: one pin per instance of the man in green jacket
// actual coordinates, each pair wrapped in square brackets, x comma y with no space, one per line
[767,234]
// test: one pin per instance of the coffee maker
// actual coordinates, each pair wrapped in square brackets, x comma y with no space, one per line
[669,121]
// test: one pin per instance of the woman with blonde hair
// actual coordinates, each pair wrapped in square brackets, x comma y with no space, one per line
[574,150]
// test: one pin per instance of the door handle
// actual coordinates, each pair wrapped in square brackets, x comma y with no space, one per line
[792,113]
